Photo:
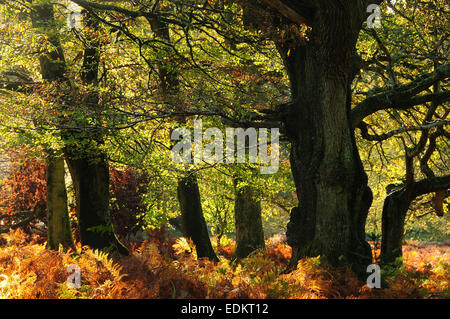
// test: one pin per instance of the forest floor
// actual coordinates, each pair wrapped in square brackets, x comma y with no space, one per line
[162,266]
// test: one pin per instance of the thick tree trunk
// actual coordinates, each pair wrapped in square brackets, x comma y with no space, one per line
[58,222]
[91,184]
[192,220]
[332,186]
[52,62]
[248,221]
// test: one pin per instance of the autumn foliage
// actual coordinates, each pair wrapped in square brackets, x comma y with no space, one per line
[166,267]
[127,208]
[24,189]
[161,266]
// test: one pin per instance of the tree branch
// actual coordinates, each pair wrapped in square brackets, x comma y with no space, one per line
[381,137]
[286,11]
[403,97]
[107,7]
[430,185]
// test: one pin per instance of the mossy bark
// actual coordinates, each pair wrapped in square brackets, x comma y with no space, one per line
[89,169]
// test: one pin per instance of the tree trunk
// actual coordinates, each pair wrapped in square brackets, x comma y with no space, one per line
[89,168]
[58,223]
[332,186]
[248,221]
[91,185]
[393,217]
[52,67]
[192,221]
[395,209]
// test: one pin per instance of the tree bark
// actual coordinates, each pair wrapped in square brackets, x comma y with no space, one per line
[192,220]
[393,217]
[89,170]
[248,221]
[396,204]
[91,184]
[333,194]
[58,222]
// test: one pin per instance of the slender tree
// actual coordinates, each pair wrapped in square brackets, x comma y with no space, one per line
[193,222]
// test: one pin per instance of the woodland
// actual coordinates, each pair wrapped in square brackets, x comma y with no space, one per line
[94,206]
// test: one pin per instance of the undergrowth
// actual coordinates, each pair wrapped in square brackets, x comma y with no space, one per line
[166,267]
